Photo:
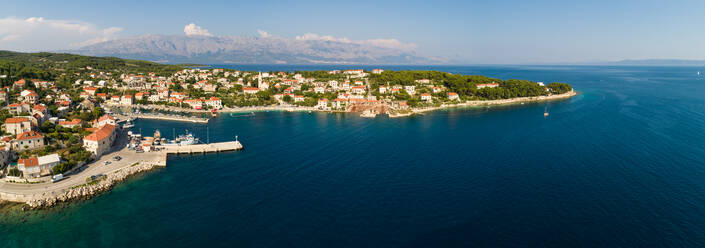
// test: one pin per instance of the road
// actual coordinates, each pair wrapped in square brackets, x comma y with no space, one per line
[129,157]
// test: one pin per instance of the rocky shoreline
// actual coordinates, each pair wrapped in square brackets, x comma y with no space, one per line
[88,190]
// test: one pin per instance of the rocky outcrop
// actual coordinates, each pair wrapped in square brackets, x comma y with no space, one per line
[87,191]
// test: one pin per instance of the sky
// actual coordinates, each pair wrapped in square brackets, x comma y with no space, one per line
[468,32]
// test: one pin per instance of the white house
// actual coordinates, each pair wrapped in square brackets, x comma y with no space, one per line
[426,97]
[453,96]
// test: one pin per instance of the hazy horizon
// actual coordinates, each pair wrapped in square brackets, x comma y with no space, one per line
[501,32]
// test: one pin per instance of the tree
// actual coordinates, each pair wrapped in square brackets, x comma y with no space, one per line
[559,88]
[97,112]
[288,99]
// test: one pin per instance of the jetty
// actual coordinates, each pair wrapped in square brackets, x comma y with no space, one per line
[44,193]
[201,148]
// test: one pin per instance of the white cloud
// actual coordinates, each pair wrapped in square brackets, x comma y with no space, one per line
[263,34]
[384,43]
[192,30]
[39,34]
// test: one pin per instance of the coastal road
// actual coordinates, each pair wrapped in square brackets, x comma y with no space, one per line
[97,167]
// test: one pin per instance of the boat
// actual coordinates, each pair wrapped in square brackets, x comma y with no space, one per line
[368,114]
[545,112]
[186,139]
[213,114]
[128,125]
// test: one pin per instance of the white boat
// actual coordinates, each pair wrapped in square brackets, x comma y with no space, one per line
[128,125]
[186,139]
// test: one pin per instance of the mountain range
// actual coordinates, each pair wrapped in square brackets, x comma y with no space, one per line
[254,50]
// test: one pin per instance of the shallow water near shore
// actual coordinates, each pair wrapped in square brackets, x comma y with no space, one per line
[621,164]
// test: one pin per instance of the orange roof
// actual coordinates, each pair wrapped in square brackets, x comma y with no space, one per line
[16,120]
[20,82]
[72,122]
[39,107]
[28,162]
[106,117]
[29,135]
[102,94]
[15,105]
[249,88]
[101,134]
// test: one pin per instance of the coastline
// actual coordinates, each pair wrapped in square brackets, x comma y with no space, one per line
[498,102]
[49,194]
[410,112]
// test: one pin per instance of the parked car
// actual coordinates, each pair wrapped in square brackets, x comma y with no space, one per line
[57,177]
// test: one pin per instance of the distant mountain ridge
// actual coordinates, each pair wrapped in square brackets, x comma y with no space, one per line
[661,62]
[251,50]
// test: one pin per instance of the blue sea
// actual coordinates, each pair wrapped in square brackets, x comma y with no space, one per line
[621,164]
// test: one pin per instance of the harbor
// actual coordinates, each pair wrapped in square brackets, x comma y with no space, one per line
[131,154]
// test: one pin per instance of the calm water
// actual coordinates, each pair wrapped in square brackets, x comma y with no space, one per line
[619,165]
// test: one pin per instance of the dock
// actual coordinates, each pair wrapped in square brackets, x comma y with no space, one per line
[163,117]
[202,148]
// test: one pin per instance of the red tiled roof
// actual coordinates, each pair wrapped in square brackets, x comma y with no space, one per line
[29,135]
[28,162]
[16,120]
[101,134]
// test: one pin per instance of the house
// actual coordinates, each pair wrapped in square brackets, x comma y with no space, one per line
[453,96]
[104,120]
[4,97]
[298,98]
[423,81]
[179,95]
[194,103]
[29,140]
[263,86]
[38,166]
[70,124]
[100,140]
[17,125]
[339,103]
[90,90]
[154,98]
[127,100]
[103,96]
[29,167]
[41,110]
[115,99]
[322,103]
[358,89]
[29,96]
[18,108]
[84,95]
[319,90]
[490,85]
[19,84]
[436,89]
[382,89]
[163,94]
[214,102]
[426,97]
[410,89]
[377,71]
[141,95]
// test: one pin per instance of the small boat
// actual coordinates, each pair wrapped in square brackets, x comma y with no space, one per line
[128,125]
[545,112]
